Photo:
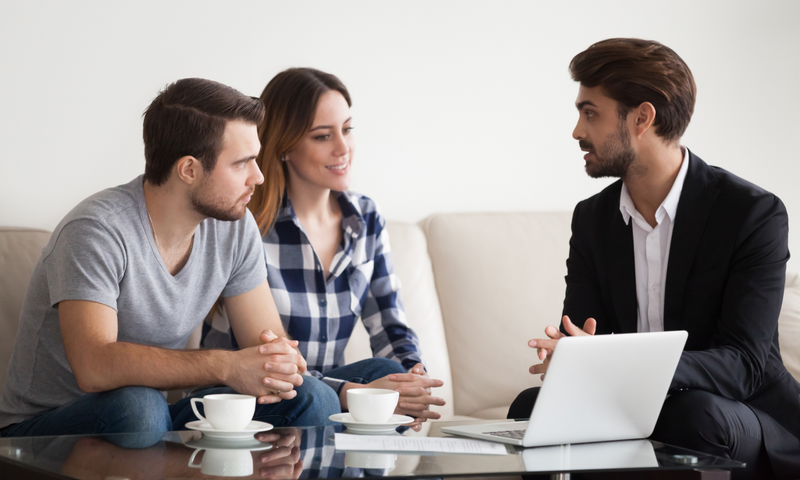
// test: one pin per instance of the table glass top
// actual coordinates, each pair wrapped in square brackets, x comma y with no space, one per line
[286,453]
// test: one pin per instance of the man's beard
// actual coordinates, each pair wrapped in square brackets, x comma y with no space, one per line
[615,157]
[215,207]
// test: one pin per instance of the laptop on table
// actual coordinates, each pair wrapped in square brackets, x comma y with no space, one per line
[597,388]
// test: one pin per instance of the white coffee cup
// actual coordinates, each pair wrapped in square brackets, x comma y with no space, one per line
[224,462]
[372,405]
[225,411]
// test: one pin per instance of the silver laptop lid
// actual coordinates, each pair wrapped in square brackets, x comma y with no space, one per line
[604,387]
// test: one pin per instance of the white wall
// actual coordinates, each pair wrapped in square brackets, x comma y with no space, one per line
[459,105]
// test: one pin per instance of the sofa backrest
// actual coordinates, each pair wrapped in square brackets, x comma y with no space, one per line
[498,282]
[20,249]
[789,325]
[421,304]
[500,279]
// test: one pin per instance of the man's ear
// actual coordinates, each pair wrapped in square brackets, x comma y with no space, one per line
[188,169]
[645,116]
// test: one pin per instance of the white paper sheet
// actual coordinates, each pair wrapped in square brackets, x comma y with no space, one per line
[380,443]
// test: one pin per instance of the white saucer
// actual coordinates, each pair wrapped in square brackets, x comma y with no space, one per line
[229,444]
[247,432]
[372,428]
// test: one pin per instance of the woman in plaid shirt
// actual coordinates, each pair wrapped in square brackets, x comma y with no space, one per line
[327,249]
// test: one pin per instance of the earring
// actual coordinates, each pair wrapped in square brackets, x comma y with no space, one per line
[283,158]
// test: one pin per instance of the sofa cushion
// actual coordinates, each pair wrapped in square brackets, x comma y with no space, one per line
[20,249]
[421,304]
[500,278]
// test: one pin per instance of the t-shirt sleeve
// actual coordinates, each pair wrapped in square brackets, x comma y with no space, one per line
[87,262]
[250,265]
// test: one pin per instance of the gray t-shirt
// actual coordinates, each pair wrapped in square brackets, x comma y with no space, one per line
[103,251]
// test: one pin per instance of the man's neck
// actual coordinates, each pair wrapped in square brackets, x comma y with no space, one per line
[173,218]
[649,185]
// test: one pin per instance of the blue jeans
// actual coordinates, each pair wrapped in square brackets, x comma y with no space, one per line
[143,409]
[366,371]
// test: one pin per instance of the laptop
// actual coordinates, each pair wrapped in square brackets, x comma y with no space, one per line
[597,388]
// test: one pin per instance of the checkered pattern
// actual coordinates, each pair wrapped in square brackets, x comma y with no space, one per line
[320,313]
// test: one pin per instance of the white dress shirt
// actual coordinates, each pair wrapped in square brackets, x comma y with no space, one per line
[651,250]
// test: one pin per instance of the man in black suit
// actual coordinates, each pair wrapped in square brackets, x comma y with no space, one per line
[678,245]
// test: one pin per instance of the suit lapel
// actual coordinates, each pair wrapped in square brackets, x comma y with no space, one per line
[622,271]
[694,208]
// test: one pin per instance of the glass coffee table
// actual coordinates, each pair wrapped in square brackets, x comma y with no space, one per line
[287,453]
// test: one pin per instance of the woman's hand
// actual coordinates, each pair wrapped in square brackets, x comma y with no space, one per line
[415,394]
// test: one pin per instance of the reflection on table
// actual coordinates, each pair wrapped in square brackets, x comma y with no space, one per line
[291,453]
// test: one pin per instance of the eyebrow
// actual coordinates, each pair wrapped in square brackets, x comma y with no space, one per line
[246,159]
[320,127]
[584,103]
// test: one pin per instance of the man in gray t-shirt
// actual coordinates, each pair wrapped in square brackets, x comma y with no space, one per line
[131,271]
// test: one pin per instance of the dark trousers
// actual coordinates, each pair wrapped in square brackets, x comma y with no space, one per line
[698,421]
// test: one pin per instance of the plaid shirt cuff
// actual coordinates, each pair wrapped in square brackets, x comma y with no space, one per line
[334,383]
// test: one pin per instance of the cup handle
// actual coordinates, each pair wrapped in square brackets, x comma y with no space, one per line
[191,459]
[194,409]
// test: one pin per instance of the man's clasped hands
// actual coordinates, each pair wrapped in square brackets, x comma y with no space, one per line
[271,371]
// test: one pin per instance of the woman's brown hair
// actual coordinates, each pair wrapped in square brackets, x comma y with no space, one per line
[291,100]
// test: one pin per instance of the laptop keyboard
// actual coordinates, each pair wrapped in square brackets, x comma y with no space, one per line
[515,434]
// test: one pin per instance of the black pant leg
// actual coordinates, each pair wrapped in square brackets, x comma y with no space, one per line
[522,406]
[708,423]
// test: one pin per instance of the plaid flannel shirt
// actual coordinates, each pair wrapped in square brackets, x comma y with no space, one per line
[321,312]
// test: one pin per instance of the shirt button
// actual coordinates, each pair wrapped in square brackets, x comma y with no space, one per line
[323,302]
[654,287]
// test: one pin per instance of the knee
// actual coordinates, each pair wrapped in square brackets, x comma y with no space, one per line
[379,367]
[136,409]
[317,401]
[692,419]
[372,369]
[523,404]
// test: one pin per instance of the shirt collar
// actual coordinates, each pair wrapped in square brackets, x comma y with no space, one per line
[668,207]
[353,223]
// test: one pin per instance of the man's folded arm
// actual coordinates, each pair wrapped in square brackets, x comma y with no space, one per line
[252,316]
[100,363]
[736,367]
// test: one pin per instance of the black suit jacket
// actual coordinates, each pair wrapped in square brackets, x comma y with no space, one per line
[725,280]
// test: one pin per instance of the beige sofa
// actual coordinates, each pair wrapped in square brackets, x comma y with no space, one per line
[475,287]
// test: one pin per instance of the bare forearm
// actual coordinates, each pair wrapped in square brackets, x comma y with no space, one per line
[101,363]
[120,364]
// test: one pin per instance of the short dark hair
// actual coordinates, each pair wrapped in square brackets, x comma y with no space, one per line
[633,71]
[188,117]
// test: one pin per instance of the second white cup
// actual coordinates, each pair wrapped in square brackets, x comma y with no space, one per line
[372,405]
[229,412]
